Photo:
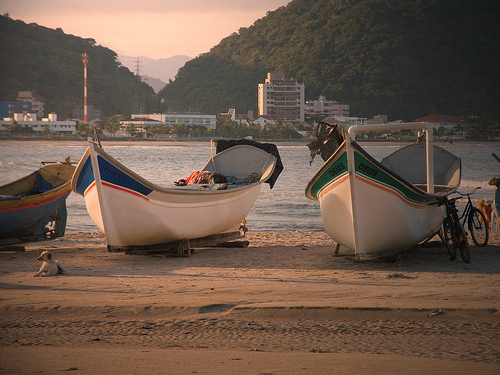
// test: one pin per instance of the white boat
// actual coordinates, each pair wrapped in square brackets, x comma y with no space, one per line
[133,212]
[380,208]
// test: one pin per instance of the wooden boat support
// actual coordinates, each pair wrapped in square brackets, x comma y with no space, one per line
[183,248]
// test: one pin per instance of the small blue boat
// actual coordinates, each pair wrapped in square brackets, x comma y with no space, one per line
[33,208]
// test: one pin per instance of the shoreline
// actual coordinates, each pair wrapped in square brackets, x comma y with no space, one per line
[25,141]
[286,304]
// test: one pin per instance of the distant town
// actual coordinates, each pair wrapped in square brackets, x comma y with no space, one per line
[283,113]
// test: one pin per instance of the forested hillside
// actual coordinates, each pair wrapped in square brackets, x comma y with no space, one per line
[49,61]
[403,58]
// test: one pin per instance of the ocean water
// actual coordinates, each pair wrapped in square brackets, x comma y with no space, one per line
[283,208]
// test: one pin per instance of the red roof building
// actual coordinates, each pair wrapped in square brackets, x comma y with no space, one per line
[448,126]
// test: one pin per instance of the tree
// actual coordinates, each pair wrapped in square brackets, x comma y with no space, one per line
[155,130]
[440,131]
[14,127]
[113,124]
[180,129]
[311,118]
[405,58]
[50,62]
[82,128]
[478,126]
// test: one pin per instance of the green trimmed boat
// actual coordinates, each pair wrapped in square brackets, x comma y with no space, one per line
[380,208]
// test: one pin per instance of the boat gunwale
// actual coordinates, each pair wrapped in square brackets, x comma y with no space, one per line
[177,190]
[16,202]
[440,197]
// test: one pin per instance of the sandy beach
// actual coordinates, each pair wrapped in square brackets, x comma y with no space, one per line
[284,305]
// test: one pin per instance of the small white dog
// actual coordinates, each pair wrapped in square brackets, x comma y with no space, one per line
[50,266]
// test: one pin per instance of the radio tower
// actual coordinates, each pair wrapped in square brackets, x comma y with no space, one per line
[85,61]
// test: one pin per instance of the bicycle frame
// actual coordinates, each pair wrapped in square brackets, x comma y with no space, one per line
[468,206]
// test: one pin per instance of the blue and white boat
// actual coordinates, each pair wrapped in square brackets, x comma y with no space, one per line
[33,208]
[133,212]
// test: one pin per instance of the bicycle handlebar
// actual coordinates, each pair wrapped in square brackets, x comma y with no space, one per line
[468,194]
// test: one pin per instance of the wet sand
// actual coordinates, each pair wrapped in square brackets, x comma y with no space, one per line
[285,305]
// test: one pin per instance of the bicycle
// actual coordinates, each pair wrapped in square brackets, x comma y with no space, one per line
[453,232]
[476,221]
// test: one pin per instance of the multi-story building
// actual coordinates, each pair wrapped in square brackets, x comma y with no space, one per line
[9,107]
[49,124]
[329,108]
[34,99]
[196,119]
[281,98]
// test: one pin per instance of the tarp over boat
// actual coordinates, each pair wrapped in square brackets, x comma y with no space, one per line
[270,148]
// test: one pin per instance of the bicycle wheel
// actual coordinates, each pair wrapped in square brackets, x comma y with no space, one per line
[478,227]
[448,239]
[461,242]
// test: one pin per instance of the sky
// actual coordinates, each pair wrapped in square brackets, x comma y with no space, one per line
[151,28]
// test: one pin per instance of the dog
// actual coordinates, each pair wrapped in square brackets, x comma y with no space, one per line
[50,266]
[495,215]
[495,218]
[495,181]
[487,211]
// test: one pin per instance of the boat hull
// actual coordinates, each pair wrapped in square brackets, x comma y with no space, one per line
[134,212]
[370,210]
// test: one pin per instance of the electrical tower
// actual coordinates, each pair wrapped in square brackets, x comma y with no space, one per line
[138,67]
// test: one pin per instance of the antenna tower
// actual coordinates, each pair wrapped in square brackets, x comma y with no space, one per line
[85,61]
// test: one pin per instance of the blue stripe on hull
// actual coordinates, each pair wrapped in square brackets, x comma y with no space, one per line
[86,177]
[111,174]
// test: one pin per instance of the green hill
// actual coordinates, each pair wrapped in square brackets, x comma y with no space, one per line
[403,58]
[49,61]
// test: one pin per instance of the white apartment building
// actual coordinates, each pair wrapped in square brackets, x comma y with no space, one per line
[195,119]
[46,124]
[330,108]
[281,98]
